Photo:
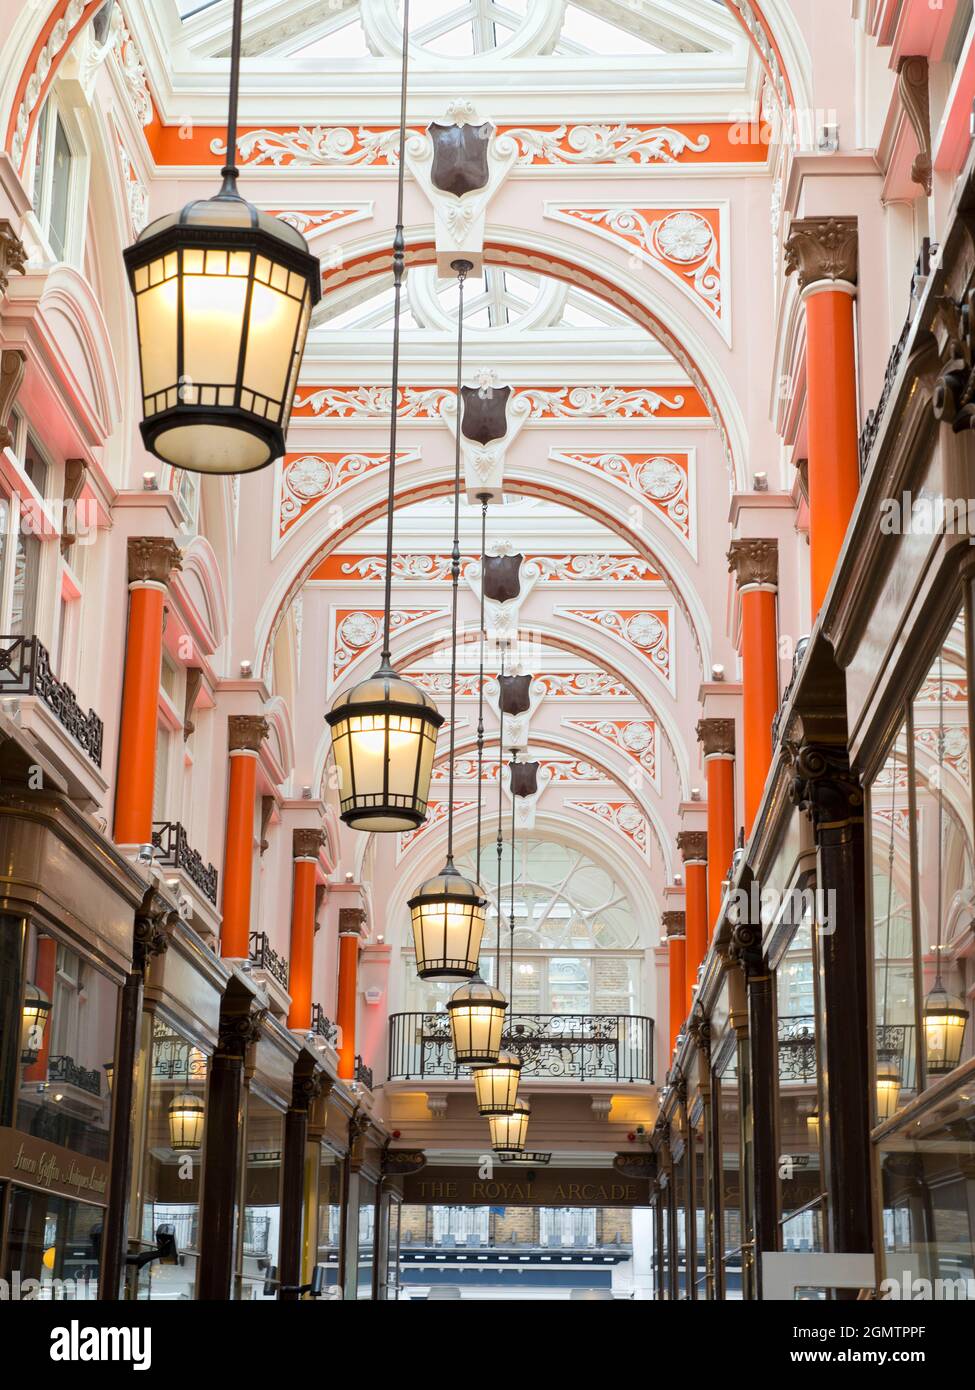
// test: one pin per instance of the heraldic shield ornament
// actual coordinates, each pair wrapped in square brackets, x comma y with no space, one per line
[485,413]
[524,779]
[502,581]
[460,157]
[515,697]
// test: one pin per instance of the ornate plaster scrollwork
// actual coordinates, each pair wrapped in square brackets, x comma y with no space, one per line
[483,450]
[460,162]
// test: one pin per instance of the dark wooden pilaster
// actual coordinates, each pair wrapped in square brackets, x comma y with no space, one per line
[153,925]
[240,1026]
[830,794]
[309,1083]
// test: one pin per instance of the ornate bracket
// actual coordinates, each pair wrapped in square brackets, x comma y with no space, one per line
[953,401]
[912,87]
[13,255]
[824,787]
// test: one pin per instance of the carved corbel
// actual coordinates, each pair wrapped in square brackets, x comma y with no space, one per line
[240,1031]
[912,87]
[155,922]
[13,364]
[13,255]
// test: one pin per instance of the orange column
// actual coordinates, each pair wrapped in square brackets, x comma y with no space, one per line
[717,739]
[824,252]
[306,845]
[150,560]
[693,845]
[674,926]
[350,932]
[246,733]
[756,565]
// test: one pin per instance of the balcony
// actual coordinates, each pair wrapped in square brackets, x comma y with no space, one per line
[69,1073]
[574,1047]
[323,1027]
[363,1074]
[25,669]
[262,956]
[175,851]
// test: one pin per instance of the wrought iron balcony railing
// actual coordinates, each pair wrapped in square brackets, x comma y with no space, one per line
[579,1047]
[797,1048]
[25,669]
[323,1027]
[263,955]
[169,838]
[363,1074]
[70,1073]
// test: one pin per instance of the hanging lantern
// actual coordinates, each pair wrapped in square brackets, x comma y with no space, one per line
[384,736]
[812,1125]
[509,1132]
[496,1086]
[888,1084]
[109,1069]
[447,913]
[186,1112]
[945,1017]
[477,1013]
[33,1020]
[223,297]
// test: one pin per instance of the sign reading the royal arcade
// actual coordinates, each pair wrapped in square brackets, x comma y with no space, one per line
[525,1187]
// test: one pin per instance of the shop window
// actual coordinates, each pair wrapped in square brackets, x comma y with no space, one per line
[56,1241]
[173,1159]
[67,1048]
[943,854]
[801,1196]
[330,1214]
[893,930]
[929,1206]
[731,1232]
[464,1226]
[567,1228]
[260,1228]
[366,1237]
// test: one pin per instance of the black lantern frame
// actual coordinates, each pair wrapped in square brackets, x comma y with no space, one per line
[477,1013]
[384,739]
[496,1085]
[223,296]
[447,916]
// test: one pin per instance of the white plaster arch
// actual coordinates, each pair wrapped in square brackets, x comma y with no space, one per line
[365,500]
[603,269]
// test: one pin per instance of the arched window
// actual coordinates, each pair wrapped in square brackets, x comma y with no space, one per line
[577,946]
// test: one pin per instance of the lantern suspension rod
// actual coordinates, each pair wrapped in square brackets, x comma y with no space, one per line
[462,268]
[511,914]
[484,499]
[941,806]
[229,170]
[500,840]
[399,265]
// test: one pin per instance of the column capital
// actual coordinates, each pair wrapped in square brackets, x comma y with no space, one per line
[155,922]
[754,561]
[673,923]
[716,736]
[246,732]
[151,559]
[352,921]
[824,786]
[693,845]
[306,843]
[239,1030]
[822,249]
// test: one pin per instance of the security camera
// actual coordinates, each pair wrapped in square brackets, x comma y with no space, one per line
[146,853]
